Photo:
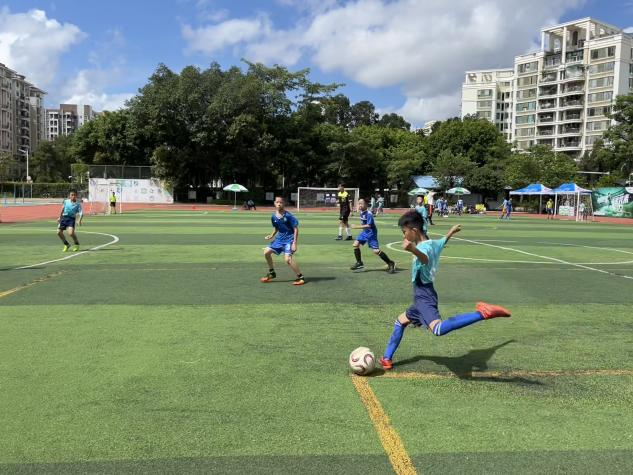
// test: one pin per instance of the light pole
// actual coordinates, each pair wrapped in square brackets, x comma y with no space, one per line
[25,151]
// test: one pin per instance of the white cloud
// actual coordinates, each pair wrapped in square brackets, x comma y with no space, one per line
[628,29]
[210,39]
[88,88]
[423,46]
[31,43]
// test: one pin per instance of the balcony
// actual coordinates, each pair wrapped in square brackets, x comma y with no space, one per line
[574,104]
[570,131]
[545,132]
[569,144]
[548,78]
[549,142]
[544,119]
[552,61]
[572,118]
[573,90]
[548,93]
[546,105]
[574,56]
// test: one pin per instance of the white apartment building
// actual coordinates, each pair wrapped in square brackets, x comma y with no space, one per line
[488,94]
[21,114]
[67,119]
[561,94]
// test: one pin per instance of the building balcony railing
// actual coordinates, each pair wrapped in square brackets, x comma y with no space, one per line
[548,78]
[569,144]
[547,105]
[573,90]
[572,104]
[572,118]
[542,133]
[571,130]
[545,120]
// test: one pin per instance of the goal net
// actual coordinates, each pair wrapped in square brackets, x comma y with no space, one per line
[309,197]
[99,195]
[575,206]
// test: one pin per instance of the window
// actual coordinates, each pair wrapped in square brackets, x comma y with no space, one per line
[602,68]
[601,82]
[631,69]
[484,104]
[597,126]
[526,132]
[602,53]
[526,106]
[526,94]
[592,139]
[484,114]
[525,119]
[600,96]
[527,81]
[598,111]
[630,83]
[484,93]
[527,67]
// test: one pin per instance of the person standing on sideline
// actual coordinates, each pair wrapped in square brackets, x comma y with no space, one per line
[431,203]
[113,203]
[345,208]
[549,207]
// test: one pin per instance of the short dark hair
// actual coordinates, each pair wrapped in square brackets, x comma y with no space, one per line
[412,219]
[73,191]
[281,198]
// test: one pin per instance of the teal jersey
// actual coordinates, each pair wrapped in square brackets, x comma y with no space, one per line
[425,273]
[425,216]
[72,209]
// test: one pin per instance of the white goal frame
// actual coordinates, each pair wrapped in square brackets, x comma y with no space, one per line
[106,189]
[329,190]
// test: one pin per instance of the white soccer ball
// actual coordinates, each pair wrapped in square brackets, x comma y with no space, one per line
[362,361]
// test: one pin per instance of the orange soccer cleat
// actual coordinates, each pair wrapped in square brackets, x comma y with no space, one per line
[488,310]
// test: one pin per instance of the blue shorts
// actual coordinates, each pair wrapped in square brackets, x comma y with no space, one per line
[66,222]
[280,247]
[370,238]
[424,308]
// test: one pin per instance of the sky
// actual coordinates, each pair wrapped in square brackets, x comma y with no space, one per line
[405,56]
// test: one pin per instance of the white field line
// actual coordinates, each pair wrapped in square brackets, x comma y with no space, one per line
[115,239]
[507,261]
[554,259]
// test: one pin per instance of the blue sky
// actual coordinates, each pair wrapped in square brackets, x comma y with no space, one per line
[406,56]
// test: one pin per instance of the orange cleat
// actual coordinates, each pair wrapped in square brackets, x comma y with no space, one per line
[385,363]
[270,276]
[488,310]
[300,281]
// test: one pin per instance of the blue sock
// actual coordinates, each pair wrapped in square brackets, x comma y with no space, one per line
[394,340]
[456,322]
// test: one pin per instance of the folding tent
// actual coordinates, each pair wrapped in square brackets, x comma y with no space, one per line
[534,189]
[571,189]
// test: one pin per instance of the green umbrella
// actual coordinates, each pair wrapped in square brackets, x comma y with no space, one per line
[458,191]
[418,191]
[235,188]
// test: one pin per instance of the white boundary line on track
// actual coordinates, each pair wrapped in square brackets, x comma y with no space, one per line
[550,260]
[115,239]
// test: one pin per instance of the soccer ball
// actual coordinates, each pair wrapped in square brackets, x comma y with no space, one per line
[362,361]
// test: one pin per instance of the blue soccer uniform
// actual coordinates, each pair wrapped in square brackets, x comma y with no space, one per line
[285,226]
[369,236]
[425,216]
[67,217]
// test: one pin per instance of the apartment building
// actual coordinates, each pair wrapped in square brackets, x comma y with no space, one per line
[21,114]
[67,119]
[488,94]
[562,93]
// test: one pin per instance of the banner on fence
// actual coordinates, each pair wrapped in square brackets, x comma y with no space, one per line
[130,191]
[614,202]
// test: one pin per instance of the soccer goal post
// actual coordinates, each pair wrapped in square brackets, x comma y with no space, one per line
[314,197]
[99,193]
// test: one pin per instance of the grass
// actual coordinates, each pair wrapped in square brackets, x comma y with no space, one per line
[163,353]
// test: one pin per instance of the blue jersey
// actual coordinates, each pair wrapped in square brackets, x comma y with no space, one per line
[425,216]
[367,218]
[72,209]
[285,226]
[425,273]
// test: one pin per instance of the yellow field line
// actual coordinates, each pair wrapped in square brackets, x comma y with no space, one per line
[389,438]
[30,284]
[509,374]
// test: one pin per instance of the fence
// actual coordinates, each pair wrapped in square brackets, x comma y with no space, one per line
[82,173]
[21,192]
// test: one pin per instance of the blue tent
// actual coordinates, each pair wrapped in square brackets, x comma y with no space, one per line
[533,189]
[570,189]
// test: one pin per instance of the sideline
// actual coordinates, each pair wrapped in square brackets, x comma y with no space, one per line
[389,438]
[115,239]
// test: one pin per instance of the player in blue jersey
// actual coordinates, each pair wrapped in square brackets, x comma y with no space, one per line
[424,310]
[67,220]
[369,235]
[285,234]
[420,208]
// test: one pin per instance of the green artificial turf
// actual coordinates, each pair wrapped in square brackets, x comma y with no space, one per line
[163,352]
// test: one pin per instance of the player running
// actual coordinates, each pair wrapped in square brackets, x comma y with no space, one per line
[369,235]
[345,209]
[285,234]
[67,220]
[424,310]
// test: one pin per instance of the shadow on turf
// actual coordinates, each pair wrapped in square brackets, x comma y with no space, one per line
[464,366]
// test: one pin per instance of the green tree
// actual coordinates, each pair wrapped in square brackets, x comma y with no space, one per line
[394,121]
[620,136]
[540,164]
[450,170]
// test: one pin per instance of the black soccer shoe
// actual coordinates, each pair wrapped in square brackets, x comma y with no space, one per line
[358,266]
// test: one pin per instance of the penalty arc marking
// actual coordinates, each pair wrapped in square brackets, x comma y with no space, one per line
[115,239]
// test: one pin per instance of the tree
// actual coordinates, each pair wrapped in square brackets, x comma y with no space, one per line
[540,164]
[394,121]
[450,170]
[620,136]
[363,113]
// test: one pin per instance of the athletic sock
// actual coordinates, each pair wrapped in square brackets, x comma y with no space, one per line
[271,271]
[357,255]
[384,257]
[299,276]
[347,231]
[340,231]
[394,339]
[456,322]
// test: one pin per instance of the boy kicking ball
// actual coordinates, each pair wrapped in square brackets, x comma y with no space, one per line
[70,209]
[285,232]
[369,235]
[424,310]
